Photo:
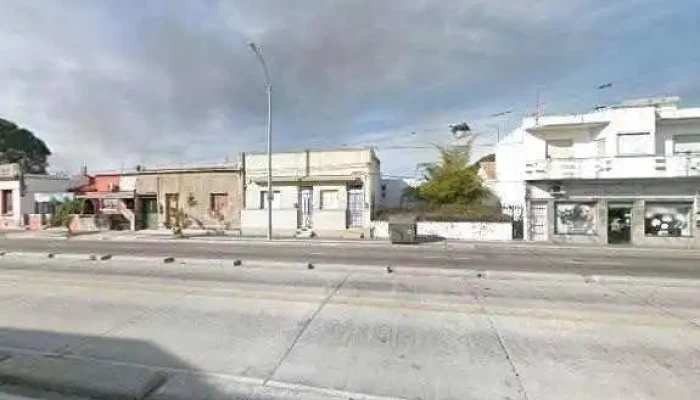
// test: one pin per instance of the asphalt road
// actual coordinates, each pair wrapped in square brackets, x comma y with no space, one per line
[286,332]
[585,261]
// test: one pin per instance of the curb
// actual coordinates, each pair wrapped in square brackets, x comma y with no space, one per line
[473,272]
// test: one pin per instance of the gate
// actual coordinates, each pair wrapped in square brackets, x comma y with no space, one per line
[516,215]
[538,221]
[305,207]
[356,207]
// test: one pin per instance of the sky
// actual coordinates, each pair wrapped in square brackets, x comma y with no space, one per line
[112,84]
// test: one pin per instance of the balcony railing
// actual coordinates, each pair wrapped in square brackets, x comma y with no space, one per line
[9,171]
[614,167]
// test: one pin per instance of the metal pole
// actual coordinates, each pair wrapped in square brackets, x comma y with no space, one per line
[270,194]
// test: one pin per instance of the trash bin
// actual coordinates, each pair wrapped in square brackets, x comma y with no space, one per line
[402,229]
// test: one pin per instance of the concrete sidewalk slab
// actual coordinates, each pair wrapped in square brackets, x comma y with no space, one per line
[80,377]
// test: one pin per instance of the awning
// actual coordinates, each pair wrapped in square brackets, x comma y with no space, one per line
[558,127]
[106,195]
[308,179]
[50,197]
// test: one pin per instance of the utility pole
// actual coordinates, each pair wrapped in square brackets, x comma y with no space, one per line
[268,89]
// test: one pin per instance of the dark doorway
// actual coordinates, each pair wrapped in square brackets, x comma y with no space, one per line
[619,223]
[149,213]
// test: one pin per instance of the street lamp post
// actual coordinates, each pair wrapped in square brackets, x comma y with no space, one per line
[268,89]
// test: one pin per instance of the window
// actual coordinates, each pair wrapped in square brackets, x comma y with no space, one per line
[629,144]
[276,200]
[667,219]
[600,148]
[6,198]
[575,219]
[559,149]
[329,199]
[686,144]
[218,202]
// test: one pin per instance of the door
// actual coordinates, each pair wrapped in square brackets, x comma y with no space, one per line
[171,207]
[356,207]
[305,207]
[619,223]
[538,221]
[149,213]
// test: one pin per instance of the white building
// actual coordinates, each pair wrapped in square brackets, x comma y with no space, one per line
[17,193]
[321,192]
[624,174]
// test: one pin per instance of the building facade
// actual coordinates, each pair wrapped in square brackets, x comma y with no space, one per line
[315,192]
[624,174]
[17,194]
[208,197]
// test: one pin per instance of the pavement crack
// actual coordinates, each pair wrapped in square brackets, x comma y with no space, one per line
[504,348]
[306,325]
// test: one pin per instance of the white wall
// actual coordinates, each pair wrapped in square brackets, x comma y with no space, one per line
[15,219]
[257,220]
[486,231]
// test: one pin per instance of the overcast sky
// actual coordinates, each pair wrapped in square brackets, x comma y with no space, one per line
[116,83]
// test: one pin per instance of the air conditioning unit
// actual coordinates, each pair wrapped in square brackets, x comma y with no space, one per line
[556,190]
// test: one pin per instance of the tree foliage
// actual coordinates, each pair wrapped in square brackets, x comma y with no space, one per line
[453,180]
[19,145]
[63,214]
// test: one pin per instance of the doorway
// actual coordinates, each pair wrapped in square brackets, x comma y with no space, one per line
[619,223]
[171,208]
[539,221]
[356,207]
[305,207]
[149,213]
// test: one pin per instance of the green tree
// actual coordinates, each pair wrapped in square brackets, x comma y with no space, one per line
[63,214]
[453,180]
[19,145]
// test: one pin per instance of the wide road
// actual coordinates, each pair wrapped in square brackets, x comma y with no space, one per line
[287,332]
[585,261]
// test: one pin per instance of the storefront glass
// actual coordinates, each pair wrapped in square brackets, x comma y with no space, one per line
[575,219]
[668,219]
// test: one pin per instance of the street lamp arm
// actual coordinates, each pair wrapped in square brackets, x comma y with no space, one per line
[261,59]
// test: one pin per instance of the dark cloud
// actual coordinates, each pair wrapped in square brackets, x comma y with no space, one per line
[107,82]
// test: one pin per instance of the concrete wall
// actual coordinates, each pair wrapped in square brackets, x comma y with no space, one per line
[13,220]
[199,185]
[329,221]
[254,222]
[486,231]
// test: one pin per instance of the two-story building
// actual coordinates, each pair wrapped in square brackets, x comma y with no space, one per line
[315,192]
[622,174]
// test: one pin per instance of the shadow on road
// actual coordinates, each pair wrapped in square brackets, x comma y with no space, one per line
[34,361]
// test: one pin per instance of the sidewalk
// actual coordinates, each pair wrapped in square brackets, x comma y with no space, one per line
[198,236]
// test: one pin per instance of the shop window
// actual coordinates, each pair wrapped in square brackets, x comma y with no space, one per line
[575,219]
[668,219]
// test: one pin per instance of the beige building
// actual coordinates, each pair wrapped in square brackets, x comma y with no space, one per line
[210,197]
[316,192]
